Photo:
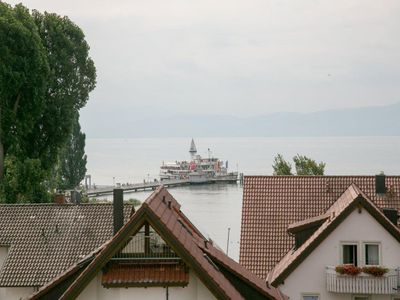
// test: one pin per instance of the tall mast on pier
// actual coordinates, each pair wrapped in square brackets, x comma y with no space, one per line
[192,149]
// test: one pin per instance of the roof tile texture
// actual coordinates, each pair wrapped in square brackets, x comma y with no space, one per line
[44,240]
[272,203]
[187,238]
[141,274]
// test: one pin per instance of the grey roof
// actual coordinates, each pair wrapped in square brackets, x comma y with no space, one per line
[44,240]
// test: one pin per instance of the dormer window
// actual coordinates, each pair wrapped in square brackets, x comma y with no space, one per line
[145,260]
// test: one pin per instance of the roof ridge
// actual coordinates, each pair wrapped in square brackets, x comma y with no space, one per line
[154,194]
[339,210]
[160,215]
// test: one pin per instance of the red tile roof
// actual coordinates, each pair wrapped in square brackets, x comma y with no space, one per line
[272,203]
[128,275]
[250,278]
[163,214]
[353,198]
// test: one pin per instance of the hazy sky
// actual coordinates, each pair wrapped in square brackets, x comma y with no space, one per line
[238,57]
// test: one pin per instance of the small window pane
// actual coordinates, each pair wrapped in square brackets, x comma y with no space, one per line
[361,298]
[371,254]
[310,297]
[350,254]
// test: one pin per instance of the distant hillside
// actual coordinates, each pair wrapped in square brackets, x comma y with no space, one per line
[367,121]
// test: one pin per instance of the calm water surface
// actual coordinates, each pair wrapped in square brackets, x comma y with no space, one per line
[215,208]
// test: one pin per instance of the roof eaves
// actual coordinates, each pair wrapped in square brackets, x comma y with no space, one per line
[359,198]
[310,222]
[319,235]
[104,255]
[183,252]
[241,272]
[145,213]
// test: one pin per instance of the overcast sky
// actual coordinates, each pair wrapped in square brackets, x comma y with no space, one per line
[238,57]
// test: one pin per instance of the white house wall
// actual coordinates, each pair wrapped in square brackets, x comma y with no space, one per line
[194,290]
[16,293]
[309,276]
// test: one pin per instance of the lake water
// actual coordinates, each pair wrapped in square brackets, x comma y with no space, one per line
[215,208]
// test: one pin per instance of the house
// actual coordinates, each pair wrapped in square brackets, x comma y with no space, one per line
[319,228]
[40,241]
[155,253]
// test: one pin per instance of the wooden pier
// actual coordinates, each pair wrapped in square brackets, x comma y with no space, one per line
[100,191]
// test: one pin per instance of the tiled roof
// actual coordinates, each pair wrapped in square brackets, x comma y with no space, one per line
[163,213]
[250,278]
[44,240]
[353,198]
[124,275]
[272,203]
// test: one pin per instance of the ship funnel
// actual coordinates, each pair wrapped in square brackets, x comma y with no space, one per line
[192,149]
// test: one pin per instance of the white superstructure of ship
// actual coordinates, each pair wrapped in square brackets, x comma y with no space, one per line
[198,169]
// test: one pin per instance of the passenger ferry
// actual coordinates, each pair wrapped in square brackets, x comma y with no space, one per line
[198,169]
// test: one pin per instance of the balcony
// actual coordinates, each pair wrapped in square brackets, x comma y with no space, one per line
[362,283]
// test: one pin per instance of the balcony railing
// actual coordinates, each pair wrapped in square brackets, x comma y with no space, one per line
[362,283]
[146,247]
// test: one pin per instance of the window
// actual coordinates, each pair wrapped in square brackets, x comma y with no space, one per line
[371,251]
[310,297]
[349,254]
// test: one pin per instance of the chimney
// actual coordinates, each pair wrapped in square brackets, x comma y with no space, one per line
[391,214]
[59,198]
[75,197]
[118,204]
[380,185]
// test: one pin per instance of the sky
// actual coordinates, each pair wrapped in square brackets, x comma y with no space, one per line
[240,57]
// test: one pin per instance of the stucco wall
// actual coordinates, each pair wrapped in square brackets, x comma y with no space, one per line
[15,293]
[194,290]
[309,277]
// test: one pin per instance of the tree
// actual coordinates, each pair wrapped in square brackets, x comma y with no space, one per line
[24,73]
[73,77]
[46,75]
[281,166]
[73,159]
[303,164]
[307,166]
[24,181]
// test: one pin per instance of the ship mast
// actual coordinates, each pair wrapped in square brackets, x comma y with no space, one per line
[192,149]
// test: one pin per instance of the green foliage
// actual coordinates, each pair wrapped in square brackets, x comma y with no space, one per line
[303,164]
[20,184]
[97,200]
[281,166]
[376,271]
[307,166]
[72,77]
[24,73]
[46,75]
[134,202]
[73,159]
